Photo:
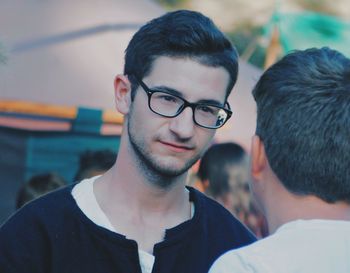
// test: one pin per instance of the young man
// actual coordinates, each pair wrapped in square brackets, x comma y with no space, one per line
[139,216]
[300,167]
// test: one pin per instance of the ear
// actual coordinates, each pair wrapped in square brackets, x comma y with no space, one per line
[258,158]
[122,92]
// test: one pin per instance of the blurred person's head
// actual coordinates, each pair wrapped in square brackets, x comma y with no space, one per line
[224,167]
[37,186]
[224,174]
[302,144]
[93,163]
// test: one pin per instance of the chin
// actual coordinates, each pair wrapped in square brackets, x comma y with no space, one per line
[171,166]
[170,169]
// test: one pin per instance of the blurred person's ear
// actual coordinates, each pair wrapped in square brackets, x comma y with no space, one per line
[122,90]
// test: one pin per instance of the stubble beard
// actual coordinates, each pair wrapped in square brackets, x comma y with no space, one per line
[162,176]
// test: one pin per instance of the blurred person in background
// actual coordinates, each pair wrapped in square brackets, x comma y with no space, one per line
[93,163]
[38,185]
[300,167]
[139,216]
[224,175]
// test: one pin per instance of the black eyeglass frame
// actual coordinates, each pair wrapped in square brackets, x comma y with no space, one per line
[186,104]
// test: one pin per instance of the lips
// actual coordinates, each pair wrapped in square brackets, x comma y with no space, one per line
[176,146]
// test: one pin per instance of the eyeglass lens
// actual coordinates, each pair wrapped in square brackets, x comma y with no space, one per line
[170,106]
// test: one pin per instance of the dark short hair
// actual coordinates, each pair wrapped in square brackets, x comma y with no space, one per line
[97,160]
[37,186]
[181,33]
[215,166]
[303,119]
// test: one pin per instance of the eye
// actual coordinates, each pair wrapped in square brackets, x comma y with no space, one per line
[165,97]
[168,98]
[207,109]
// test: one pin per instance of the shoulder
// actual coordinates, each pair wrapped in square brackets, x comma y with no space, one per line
[264,256]
[41,209]
[27,236]
[220,221]
[253,258]
[53,201]
[231,262]
[212,211]
[211,207]
[40,223]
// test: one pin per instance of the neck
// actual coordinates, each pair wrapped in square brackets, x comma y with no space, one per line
[127,185]
[289,207]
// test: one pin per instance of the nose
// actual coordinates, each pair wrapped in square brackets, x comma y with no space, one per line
[183,124]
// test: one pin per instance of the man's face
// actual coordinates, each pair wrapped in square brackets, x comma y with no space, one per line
[170,146]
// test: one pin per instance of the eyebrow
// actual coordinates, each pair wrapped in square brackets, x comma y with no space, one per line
[179,94]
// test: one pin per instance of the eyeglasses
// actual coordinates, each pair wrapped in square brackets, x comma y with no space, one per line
[206,115]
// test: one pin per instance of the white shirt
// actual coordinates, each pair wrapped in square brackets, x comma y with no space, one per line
[302,246]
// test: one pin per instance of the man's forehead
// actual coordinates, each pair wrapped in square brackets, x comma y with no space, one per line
[188,77]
